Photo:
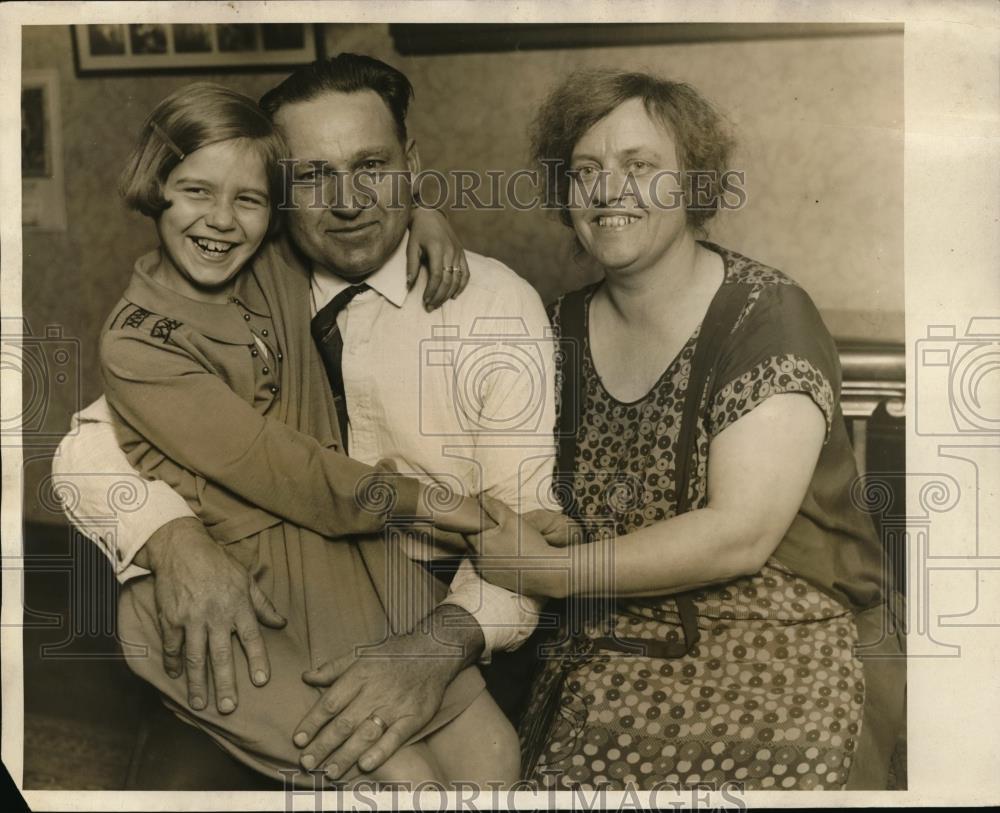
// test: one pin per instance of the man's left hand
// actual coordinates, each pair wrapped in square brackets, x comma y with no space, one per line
[402,685]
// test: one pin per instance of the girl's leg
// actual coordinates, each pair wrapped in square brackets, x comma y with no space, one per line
[480,746]
[258,732]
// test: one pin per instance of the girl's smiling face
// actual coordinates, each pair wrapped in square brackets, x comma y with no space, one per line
[217,218]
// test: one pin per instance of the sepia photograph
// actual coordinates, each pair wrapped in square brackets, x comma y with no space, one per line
[503,409]
[191,37]
[106,40]
[148,39]
[237,37]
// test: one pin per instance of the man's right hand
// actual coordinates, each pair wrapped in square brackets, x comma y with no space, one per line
[403,685]
[202,595]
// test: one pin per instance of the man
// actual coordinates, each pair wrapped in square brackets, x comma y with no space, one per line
[343,119]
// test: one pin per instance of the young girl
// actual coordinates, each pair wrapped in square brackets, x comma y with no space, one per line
[210,367]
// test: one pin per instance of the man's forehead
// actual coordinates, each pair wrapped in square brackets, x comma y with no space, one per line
[332,117]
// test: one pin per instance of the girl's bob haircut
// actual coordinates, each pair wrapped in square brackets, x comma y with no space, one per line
[190,118]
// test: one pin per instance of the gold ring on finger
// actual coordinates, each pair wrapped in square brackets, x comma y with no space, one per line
[383,726]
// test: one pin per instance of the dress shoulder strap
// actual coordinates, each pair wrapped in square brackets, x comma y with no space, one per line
[572,335]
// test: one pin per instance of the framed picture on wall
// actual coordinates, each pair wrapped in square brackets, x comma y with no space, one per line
[185,47]
[425,39]
[43,196]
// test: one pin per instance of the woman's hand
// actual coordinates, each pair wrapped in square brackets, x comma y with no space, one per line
[558,529]
[516,556]
[434,242]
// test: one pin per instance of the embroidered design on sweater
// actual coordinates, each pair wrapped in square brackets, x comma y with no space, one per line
[136,318]
[163,328]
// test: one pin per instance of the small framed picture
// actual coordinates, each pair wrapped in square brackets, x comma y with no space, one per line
[43,196]
[189,47]
[36,129]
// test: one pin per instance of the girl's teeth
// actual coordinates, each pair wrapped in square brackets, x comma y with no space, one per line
[213,246]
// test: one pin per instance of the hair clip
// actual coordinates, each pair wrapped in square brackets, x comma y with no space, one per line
[167,140]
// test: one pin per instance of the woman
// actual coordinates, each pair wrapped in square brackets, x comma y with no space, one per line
[710,441]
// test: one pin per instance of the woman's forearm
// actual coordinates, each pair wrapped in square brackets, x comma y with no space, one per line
[701,547]
[760,471]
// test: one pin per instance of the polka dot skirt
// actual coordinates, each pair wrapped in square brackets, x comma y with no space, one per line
[765,701]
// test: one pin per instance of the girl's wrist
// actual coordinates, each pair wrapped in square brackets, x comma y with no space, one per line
[465,517]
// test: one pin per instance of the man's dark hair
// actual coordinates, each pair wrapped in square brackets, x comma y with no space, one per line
[344,73]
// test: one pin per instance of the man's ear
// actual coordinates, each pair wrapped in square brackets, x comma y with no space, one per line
[412,158]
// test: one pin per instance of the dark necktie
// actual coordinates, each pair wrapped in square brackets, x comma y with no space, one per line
[331,348]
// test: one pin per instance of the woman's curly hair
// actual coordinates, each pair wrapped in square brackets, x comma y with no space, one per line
[700,132]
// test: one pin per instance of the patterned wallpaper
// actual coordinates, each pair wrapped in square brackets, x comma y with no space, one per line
[819,122]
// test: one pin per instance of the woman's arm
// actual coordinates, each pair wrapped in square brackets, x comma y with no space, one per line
[759,471]
[433,239]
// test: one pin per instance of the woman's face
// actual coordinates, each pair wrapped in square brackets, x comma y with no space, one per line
[626,201]
[217,218]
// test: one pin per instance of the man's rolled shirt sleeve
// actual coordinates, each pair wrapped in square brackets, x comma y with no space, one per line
[517,461]
[87,462]
[507,619]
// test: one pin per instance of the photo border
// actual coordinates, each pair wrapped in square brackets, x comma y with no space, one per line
[951,168]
